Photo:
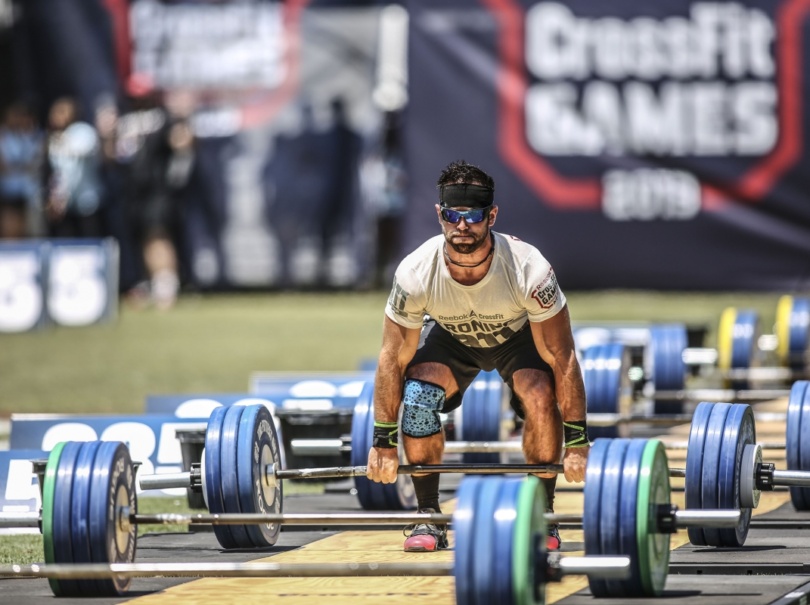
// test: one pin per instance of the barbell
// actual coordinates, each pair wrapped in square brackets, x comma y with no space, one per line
[743,473]
[89,519]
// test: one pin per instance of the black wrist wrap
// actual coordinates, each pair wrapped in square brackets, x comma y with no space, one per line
[575,433]
[386,434]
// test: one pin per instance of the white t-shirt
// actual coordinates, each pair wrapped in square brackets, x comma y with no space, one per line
[520,286]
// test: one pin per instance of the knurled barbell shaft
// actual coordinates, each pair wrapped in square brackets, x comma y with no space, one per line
[719,395]
[333,447]
[181,480]
[684,445]
[666,419]
[337,472]
[683,518]
[175,480]
[226,570]
[600,567]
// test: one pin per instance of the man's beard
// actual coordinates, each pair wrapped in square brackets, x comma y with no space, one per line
[466,248]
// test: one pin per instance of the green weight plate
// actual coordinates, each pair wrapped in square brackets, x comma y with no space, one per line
[48,482]
[528,541]
[653,490]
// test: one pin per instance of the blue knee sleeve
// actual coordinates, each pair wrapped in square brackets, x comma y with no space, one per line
[422,402]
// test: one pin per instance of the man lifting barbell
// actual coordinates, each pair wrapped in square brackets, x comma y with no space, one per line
[468,300]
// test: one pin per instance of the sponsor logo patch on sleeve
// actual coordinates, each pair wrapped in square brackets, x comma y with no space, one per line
[396,300]
[546,293]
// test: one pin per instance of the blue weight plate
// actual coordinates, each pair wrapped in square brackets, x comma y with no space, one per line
[112,488]
[213,474]
[484,541]
[592,508]
[603,392]
[372,495]
[804,436]
[738,432]
[800,496]
[228,475]
[667,342]
[744,344]
[62,514]
[481,415]
[505,514]
[361,444]
[628,519]
[694,466]
[742,347]
[609,507]
[401,494]
[611,389]
[257,447]
[588,376]
[596,356]
[593,356]
[672,341]
[80,512]
[799,333]
[710,475]
[668,378]
[464,530]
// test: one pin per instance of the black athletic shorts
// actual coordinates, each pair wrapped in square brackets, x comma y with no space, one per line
[437,345]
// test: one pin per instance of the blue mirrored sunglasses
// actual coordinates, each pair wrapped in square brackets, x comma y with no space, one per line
[472,216]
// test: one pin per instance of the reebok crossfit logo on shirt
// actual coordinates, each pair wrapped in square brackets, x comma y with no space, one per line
[546,293]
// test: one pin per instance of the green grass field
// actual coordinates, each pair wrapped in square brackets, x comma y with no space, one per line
[212,344]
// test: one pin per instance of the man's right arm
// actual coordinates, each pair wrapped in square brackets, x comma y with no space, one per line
[398,348]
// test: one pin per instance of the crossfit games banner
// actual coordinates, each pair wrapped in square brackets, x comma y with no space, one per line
[637,144]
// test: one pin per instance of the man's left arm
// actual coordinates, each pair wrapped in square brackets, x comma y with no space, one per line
[555,343]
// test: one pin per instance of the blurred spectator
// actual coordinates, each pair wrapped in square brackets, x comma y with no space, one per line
[160,175]
[115,185]
[73,178]
[21,155]
[383,181]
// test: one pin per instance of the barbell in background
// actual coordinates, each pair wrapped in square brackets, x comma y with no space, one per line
[499,524]
[740,345]
[611,400]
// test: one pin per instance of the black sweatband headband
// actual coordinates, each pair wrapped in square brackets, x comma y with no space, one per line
[464,195]
[576,434]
